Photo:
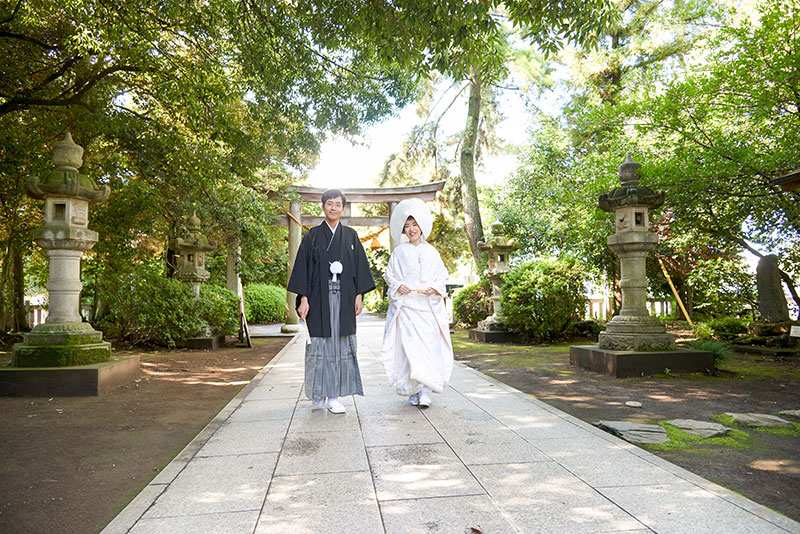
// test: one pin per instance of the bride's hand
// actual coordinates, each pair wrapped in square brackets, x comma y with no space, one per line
[403,289]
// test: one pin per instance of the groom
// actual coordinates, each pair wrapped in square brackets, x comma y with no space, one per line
[330,277]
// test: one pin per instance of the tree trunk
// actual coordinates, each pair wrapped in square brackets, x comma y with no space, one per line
[171,255]
[12,289]
[20,318]
[5,298]
[469,189]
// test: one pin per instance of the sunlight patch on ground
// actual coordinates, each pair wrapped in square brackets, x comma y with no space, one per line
[783,466]
[206,383]
[664,398]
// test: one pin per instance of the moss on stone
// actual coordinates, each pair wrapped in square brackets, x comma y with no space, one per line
[680,440]
[787,432]
[60,355]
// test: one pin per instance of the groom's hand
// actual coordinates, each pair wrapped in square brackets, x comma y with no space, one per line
[302,310]
[359,305]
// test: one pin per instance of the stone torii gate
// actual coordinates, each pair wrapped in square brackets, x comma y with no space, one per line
[390,196]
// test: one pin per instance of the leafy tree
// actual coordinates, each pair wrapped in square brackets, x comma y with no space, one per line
[180,106]
[711,114]
[475,56]
[723,288]
[720,135]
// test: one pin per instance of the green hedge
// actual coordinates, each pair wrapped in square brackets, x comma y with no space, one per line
[544,299]
[264,303]
[220,309]
[145,308]
[473,303]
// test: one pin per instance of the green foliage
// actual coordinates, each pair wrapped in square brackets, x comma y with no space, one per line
[720,350]
[588,328]
[722,287]
[378,261]
[544,298]
[728,328]
[702,330]
[144,307]
[380,305]
[684,441]
[264,303]
[220,309]
[473,303]
[549,205]
[723,328]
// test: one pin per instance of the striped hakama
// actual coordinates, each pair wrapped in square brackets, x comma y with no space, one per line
[331,363]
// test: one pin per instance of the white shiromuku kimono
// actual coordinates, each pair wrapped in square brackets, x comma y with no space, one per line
[417,351]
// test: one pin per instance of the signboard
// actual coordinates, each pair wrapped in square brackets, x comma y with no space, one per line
[795,331]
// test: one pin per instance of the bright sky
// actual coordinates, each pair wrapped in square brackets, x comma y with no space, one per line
[345,165]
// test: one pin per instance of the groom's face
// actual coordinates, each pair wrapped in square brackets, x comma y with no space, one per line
[333,208]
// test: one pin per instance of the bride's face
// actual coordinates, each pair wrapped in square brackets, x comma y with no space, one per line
[412,230]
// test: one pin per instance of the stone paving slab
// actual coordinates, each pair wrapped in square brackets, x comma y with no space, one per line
[484,456]
[317,503]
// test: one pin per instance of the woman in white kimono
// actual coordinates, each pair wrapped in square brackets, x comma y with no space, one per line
[417,352]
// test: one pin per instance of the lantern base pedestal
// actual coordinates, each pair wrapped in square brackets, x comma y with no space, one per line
[61,345]
[80,380]
[494,336]
[288,328]
[641,342]
[622,364]
[204,342]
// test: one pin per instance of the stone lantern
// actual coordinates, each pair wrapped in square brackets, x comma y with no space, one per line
[192,255]
[633,329]
[635,343]
[64,339]
[498,249]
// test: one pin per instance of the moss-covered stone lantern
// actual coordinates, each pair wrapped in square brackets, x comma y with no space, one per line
[192,255]
[64,339]
[633,328]
[498,249]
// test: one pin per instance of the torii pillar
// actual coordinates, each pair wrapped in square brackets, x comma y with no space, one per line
[390,196]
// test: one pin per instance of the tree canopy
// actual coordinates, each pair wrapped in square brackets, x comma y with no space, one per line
[711,113]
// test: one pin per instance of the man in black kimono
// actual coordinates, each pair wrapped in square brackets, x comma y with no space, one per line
[330,277]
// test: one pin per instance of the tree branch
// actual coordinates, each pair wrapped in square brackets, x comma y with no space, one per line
[20,103]
[27,39]
[13,13]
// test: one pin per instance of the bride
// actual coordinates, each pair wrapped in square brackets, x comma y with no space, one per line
[416,352]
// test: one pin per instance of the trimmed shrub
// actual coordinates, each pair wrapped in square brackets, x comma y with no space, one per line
[264,303]
[589,329]
[728,328]
[544,299]
[220,309]
[473,303]
[146,308]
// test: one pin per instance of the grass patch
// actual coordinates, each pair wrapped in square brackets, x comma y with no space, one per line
[555,359]
[793,432]
[680,440]
[753,367]
[785,432]
[509,356]
[726,420]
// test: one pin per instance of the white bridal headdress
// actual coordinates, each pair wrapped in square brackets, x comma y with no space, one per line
[411,207]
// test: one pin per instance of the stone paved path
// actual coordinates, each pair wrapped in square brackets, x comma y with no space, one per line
[484,457]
